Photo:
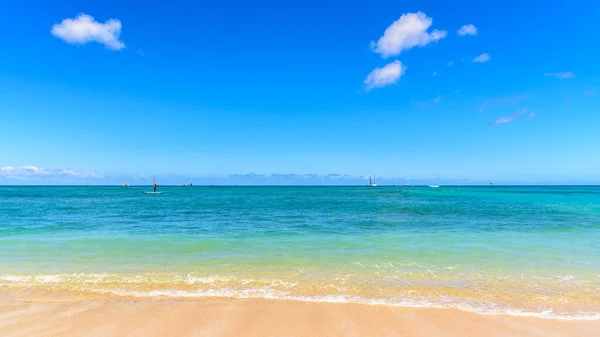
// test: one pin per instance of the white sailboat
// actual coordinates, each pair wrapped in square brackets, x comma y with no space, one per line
[372,181]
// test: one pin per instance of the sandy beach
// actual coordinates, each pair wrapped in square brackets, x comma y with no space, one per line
[63,314]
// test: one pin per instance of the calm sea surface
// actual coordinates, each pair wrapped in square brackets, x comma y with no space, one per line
[517,250]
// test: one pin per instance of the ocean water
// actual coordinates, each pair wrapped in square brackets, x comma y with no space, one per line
[515,250]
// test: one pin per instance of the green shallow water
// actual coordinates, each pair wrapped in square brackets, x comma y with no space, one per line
[521,250]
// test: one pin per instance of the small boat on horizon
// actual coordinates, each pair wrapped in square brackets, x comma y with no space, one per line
[433,186]
[372,182]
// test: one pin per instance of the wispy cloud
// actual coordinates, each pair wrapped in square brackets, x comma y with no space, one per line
[434,73]
[501,101]
[83,29]
[436,100]
[409,31]
[589,92]
[483,58]
[450,63]
[562,76]
[511,99]
[467,30]
[33,171]
[141,53]
[532,115]
[388,74]
[511,118]
[482,106]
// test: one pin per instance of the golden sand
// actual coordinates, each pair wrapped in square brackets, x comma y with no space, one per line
[70,314]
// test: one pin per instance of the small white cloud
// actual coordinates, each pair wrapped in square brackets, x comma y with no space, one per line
[141,53]
[467,30]
[437,99]
[407,32]
[434,73]
[84,29]
[532,115]
[562,76]
[450,63]
[511,118]
[32,171]
[388,74]
[589,92]
[483,58]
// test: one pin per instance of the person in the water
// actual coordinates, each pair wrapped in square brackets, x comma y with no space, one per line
[155,186]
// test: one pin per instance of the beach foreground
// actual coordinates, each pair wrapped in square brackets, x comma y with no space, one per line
[64,314]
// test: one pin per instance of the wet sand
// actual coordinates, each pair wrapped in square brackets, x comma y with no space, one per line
[73,315]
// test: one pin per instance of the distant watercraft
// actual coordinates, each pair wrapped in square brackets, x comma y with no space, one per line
[433,186]
[154,186]
[124,184]
[372,181]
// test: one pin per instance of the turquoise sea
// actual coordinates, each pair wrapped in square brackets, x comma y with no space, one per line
[515,250]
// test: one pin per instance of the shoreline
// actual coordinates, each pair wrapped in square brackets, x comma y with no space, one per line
[31,292]
[67,313]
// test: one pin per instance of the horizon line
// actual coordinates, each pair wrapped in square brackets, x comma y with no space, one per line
[311,185]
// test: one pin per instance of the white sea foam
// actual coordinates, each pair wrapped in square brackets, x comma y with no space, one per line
[220,286]
[479,307]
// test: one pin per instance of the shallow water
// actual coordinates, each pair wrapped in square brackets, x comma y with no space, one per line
[519,250]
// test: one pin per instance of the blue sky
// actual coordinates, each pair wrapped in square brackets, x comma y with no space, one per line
[205,90]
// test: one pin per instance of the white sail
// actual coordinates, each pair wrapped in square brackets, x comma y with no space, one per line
[372,181]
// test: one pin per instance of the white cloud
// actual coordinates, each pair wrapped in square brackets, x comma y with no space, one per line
[388,74]
[407,32]
[33,171]
[84,29]
[511,118]
[467,30]
[450,63]
[483,58]
[562,76]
